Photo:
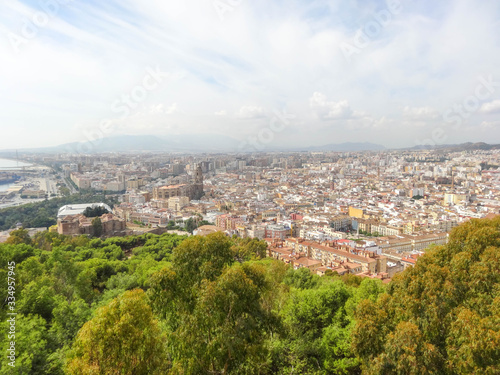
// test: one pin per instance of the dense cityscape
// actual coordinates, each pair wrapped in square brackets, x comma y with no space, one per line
[365,213]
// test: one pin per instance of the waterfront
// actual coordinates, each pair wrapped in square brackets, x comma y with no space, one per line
[5,187]
[37,179]
[7,165]
[12,165]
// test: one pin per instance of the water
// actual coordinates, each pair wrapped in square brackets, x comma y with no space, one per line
[6,187]
[12,166]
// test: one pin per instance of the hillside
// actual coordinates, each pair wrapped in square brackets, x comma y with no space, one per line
[215,305]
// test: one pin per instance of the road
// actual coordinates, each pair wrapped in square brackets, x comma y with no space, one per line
[68,185]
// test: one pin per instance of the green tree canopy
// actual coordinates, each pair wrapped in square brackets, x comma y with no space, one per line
[440,316]
[95,211]
[123,338]
[97,226]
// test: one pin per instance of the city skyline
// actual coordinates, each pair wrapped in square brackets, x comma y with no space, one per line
[393,73]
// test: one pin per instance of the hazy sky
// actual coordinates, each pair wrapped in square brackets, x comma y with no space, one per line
[335,71]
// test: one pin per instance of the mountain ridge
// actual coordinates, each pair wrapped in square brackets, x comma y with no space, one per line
[214,143]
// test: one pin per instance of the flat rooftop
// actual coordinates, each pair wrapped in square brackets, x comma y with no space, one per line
[77,209]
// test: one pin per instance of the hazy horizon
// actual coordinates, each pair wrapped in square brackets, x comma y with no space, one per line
[289,74]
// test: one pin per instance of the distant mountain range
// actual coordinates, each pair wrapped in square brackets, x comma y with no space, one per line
[348,146]
[144,143]
[213,143]
[181,143]
[468,146]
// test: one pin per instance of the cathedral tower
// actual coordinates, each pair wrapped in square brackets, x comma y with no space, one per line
[198,183]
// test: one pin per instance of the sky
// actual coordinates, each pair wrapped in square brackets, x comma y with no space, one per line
[283,73]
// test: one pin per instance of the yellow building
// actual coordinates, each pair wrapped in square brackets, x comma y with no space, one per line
[356,212]
[135,183]
[177,203]
[452,198]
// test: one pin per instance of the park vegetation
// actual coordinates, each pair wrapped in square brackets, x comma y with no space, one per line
[170,304]
[95,211]
[44,214]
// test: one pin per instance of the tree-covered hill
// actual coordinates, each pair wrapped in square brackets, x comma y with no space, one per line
[215,305]
[443,315]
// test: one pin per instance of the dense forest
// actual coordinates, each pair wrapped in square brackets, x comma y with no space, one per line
[44,214]
[174,304]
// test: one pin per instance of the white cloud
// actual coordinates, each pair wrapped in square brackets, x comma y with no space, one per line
[159,108]
[172,109]
[490,125]
[250,112]
[420,113]
[491,107]
[220,113]
[329,110]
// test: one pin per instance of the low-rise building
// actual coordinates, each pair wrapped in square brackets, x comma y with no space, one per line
[75,225]
[228,222]
[276,231]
